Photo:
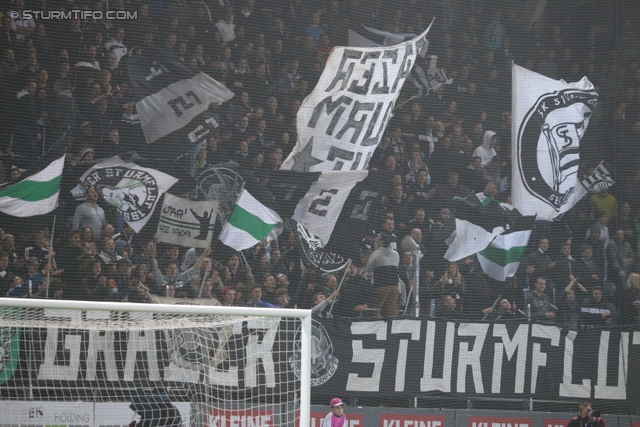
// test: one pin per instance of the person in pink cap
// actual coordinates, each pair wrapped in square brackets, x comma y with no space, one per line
[335,418]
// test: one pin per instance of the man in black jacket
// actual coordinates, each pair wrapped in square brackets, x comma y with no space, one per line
[356,295]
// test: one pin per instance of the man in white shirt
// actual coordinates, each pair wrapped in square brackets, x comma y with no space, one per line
[22,27]
[226,26]
[116,46]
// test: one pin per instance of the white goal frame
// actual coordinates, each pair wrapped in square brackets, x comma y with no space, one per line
[303,315]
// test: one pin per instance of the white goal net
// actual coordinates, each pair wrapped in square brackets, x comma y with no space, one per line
[68,363]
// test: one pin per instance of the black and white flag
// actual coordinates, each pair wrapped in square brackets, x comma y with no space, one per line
[173,99]
[343,119]
[187,223]
[429,78]
[132,189]
[550,118]
[599,180]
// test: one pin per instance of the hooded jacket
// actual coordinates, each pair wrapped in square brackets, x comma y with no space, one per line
[485,151]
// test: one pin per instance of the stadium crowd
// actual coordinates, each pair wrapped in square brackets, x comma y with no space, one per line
[71,74]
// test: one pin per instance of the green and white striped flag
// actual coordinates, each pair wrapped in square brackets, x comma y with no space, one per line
[34,195]
[249,223]
[501,258]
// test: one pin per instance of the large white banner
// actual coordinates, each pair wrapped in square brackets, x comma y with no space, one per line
[343,119]
[133,190]
[187,223]
[550,118]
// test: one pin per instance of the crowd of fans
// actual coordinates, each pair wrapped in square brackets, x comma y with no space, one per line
[57,75]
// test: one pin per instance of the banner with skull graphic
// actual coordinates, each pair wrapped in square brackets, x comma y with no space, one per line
[132,189]
[550,117]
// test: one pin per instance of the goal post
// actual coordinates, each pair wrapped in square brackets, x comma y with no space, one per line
[106,364]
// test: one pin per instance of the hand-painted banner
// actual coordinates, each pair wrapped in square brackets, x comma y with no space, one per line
[343,119]
[392,358]
[187,223]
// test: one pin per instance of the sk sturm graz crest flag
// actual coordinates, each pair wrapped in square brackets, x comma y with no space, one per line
[550,117]
[173,99]
[133,190]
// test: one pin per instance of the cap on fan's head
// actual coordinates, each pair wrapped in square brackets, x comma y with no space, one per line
[336,401]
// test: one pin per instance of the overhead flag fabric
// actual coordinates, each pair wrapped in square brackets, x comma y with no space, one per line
[319,209]
[501,259]
[132,189]
[249,223]
[469,239]
[550,118]
[479,220]
[343,119]
[173,99]
[599,180]
[36,194]
[187,223]
[429,78]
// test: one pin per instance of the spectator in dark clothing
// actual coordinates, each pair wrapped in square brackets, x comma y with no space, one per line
[630,302]
[540,303]
[356,295]
[596,312]
[25,119]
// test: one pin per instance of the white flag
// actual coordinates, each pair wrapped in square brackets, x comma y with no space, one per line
[187,223]
[550,118]
[343,119]
[133,190]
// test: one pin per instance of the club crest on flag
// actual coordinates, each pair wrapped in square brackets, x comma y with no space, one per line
[548,144]
[133,192]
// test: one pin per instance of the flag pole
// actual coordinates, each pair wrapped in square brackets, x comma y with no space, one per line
[204,278]
[347,265]
[53,231]
[494,304]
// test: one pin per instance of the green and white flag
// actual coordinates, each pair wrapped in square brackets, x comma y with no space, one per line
[249,223]
[501,258]
[36,194]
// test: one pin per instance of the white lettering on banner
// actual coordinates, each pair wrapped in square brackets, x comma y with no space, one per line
[538,358]
[71,354]
[509,346]
[261,350]
[404,327]
[99,343]
[618,391]
[360,355]
[567,388]
[49,370]
[353,419]
[412,420]
[471,358]
[239,418]
[144,342]
[498,422]
[427,382]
